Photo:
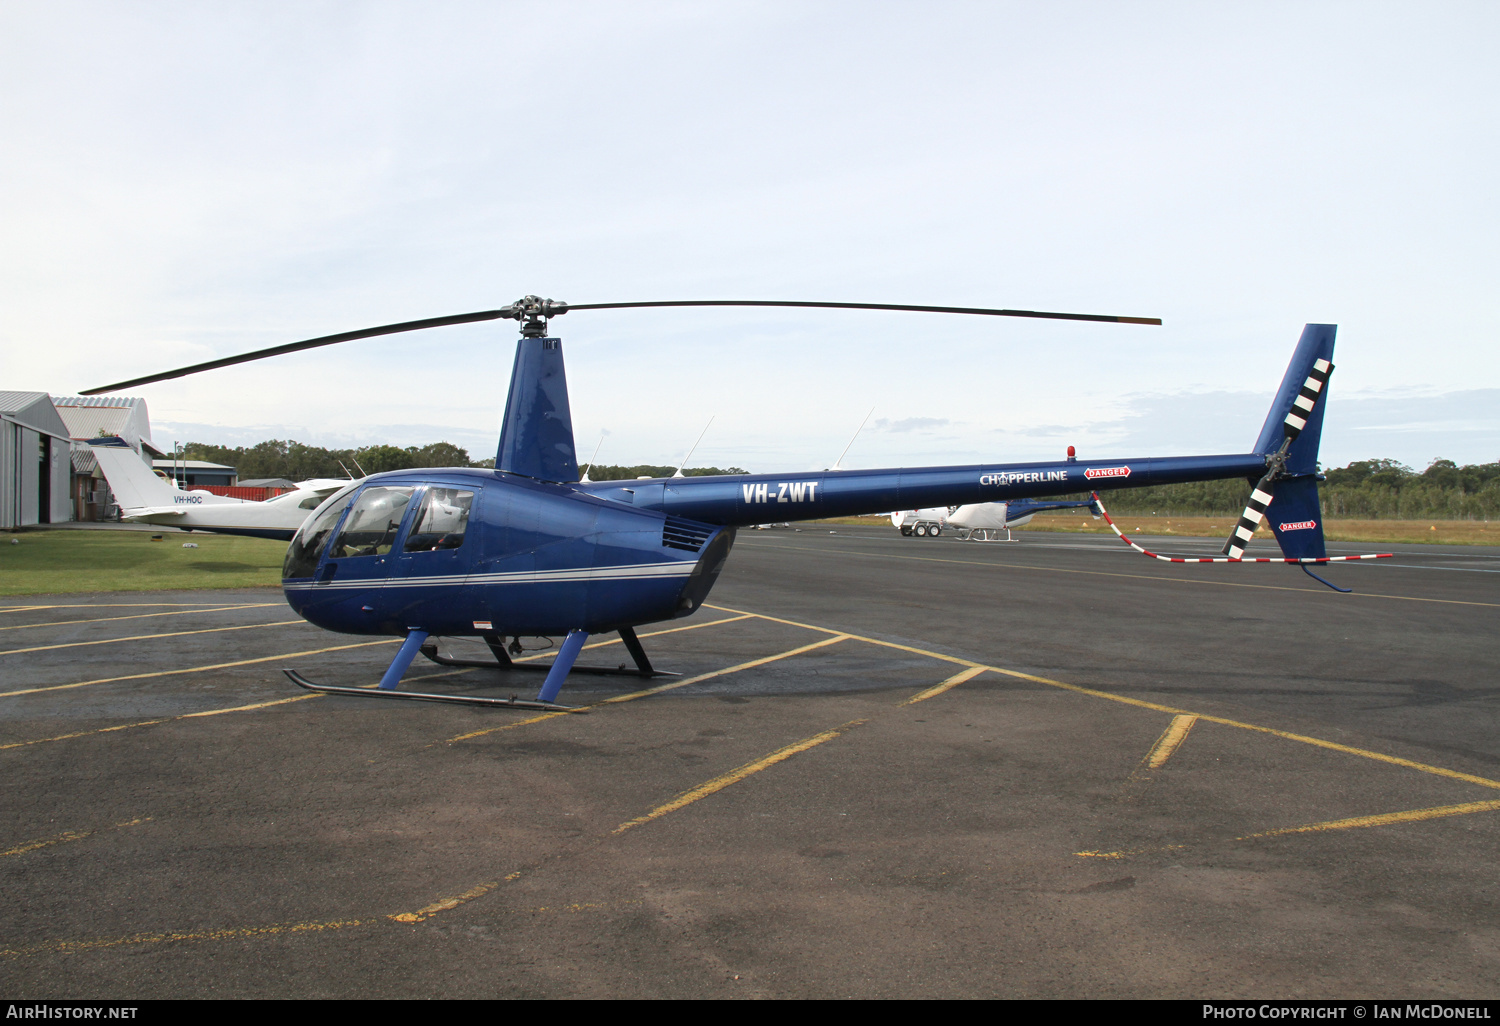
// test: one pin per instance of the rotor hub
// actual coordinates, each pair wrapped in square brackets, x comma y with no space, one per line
[533,312]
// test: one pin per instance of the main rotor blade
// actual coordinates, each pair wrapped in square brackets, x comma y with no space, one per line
[295,347]
[547,308]
[875,306]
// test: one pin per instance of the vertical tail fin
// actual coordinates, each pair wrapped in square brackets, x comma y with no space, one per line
[536,436]
[133,482]
[1287,496]
[1315,345]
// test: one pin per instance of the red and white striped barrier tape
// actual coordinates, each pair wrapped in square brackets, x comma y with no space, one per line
[1227,559]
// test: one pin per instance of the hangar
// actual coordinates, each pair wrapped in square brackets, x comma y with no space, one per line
[88,417]
[34,463]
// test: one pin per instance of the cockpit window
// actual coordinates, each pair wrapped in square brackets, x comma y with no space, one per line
[306,548]
[370,529]
[442,520]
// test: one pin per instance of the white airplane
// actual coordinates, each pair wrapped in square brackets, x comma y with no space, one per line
[146,498]
[982,521]
[978,522]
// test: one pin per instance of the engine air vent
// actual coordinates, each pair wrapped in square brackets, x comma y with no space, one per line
[684,534]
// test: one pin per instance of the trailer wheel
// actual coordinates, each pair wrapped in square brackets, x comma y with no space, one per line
[921,530]
[934,531]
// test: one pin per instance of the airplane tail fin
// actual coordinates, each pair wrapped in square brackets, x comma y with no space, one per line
[1289,441]
[135,484]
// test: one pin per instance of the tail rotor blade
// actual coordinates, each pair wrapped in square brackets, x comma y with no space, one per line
[1307,398]
[1265,489]
[1255,513]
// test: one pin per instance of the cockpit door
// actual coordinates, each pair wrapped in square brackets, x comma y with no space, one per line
[358,561]
[428,581]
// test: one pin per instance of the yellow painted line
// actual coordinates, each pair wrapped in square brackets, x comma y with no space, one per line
[149,637]
[63,838]
[193,715]
[1141,704]
[133,616]
[777,619]
[1413,816]
[152,723]
[244,708]
[504,726]
[952,682]
[69,947]
[1170,740]
[1127,853]
[674,685]
[735,776]
[652,634]
[1285,734]
[444,904]
[201,669]
[656,690]
[1140,577]
[435,676]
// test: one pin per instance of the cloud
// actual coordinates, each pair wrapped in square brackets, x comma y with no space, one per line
[1411,427]
[910,424]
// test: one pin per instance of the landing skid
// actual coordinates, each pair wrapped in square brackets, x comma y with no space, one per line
[416,696]
[503,660]
[557,672]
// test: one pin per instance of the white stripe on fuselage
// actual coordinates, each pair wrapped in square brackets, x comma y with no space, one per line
[641,571]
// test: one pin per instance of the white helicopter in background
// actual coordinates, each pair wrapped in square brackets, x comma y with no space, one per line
[981,521]
[145,498]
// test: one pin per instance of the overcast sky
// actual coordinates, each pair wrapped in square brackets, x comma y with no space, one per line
[181,181]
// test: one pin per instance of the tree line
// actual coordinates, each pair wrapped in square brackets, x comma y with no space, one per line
[296,461]
[1366,489]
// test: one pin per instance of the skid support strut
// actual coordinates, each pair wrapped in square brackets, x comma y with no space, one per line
[400,664]
[503,661]
[561,665]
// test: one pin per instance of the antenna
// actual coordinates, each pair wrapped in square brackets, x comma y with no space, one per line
[695,446]
[585,478]
[358,467]
[861,427]
[344,469]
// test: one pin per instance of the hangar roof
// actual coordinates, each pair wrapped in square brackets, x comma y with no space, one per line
[33,410]
[189,465]
[89,416]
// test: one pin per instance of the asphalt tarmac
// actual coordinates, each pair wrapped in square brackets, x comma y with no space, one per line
[893,768]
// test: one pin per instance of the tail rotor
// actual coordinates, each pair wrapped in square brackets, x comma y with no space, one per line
[1302,407]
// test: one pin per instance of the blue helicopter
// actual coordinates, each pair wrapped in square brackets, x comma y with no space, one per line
[527,550]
